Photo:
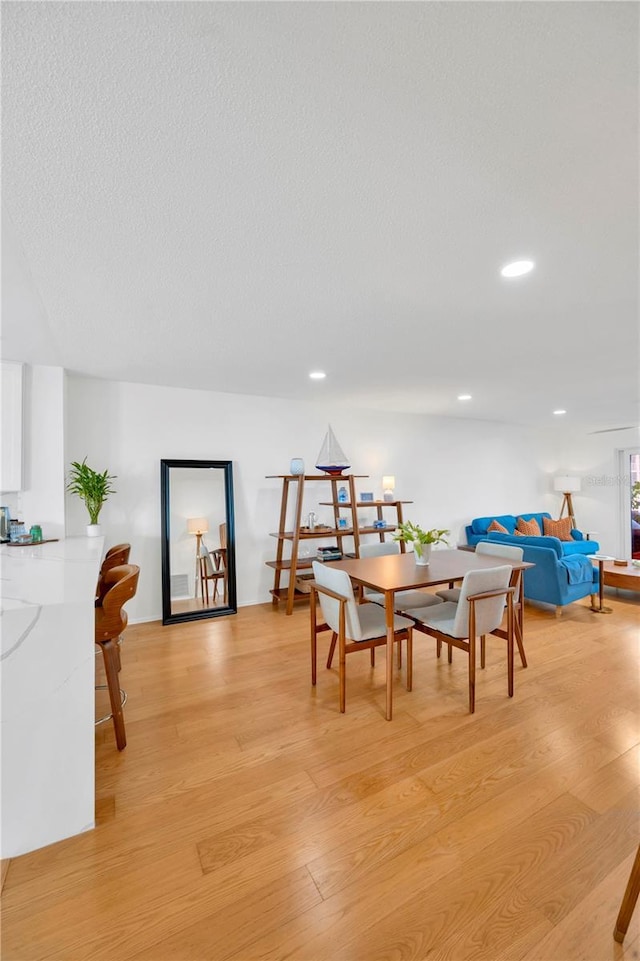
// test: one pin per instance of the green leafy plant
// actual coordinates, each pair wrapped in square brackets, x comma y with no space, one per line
[635,496]
[414,534]
[91,487]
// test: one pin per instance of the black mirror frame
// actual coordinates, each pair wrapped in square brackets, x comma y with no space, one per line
[165,501]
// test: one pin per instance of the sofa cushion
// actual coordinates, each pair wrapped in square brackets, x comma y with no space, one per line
[538,516]
[496,526]
[560,529]
[480,525]
[531,528]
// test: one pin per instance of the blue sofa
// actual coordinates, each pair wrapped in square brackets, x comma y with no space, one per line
[477,531]
[557,578]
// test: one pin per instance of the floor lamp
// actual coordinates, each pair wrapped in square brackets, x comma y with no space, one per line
[197,526]
[567,486]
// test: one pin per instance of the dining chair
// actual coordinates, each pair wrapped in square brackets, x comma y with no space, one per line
[354,627]
[115,556]
[209,571]
[629,900]
[110,622]
[479,611]
[508,553]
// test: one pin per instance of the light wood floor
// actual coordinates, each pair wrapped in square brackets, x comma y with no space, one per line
[247,819]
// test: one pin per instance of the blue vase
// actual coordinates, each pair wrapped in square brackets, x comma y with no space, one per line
[297,466]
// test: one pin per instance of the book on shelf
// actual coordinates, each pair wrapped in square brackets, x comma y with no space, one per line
[329,554]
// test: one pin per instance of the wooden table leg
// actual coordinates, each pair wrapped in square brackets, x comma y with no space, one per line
[388,606]
[601,609]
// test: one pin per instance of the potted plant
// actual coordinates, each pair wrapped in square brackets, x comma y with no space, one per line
[422,540]
[91,487]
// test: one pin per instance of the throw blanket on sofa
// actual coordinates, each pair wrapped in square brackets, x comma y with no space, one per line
[579,568]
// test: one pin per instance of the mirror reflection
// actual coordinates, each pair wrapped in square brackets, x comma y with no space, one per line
[198,561]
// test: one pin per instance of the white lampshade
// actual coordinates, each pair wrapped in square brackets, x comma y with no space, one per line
[197,525]
[388,482]
[566,484]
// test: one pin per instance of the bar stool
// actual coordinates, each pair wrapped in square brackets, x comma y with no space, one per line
[114,557]
[110,621]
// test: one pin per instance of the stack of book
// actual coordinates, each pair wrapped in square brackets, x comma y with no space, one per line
[329,554]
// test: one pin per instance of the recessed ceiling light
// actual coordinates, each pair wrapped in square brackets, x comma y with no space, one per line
[517,268]
[464,396]
[559,413]
[317,375]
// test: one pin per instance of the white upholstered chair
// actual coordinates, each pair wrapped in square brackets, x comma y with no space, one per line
[508,553]
[354,626]
[479,611]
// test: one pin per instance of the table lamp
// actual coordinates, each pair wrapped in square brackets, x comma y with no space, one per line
[388,485]
[567,485]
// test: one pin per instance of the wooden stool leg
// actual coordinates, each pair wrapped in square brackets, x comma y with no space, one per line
[628,901]
[113,684]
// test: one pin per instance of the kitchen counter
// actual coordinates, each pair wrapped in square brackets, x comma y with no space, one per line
[47,677]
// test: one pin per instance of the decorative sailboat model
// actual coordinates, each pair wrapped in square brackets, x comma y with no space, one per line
[331,458]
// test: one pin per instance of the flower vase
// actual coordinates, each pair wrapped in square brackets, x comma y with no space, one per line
[93,530]
[424,556]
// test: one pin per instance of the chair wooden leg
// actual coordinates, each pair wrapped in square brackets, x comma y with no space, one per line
[483,647]
[314,637]
[438,647]
[113,684]
[472,674]
[510,652]
[450,654]
[343,678]
[472,657]
[372,652]
[399,655]
[332,647]
[409,659]
[518,627]
[629,900]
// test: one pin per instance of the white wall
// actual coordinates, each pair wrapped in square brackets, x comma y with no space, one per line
[452,469]
[44,463]
[595,459]
[41,500]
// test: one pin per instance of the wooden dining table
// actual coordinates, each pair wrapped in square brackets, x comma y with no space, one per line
[390,573]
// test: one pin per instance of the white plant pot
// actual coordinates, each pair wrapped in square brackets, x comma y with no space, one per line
[425,556]
[94,530]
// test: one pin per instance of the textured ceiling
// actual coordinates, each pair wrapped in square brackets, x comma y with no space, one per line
[227,195]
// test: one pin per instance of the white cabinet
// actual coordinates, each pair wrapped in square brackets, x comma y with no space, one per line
[11,416]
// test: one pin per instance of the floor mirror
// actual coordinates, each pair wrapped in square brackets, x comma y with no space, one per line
[198,539]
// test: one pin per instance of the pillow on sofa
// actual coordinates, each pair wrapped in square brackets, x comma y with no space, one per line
[532,528]
[497,526]
[560,529]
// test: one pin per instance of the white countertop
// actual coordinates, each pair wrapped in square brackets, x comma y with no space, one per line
[47,676]
[52,573]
